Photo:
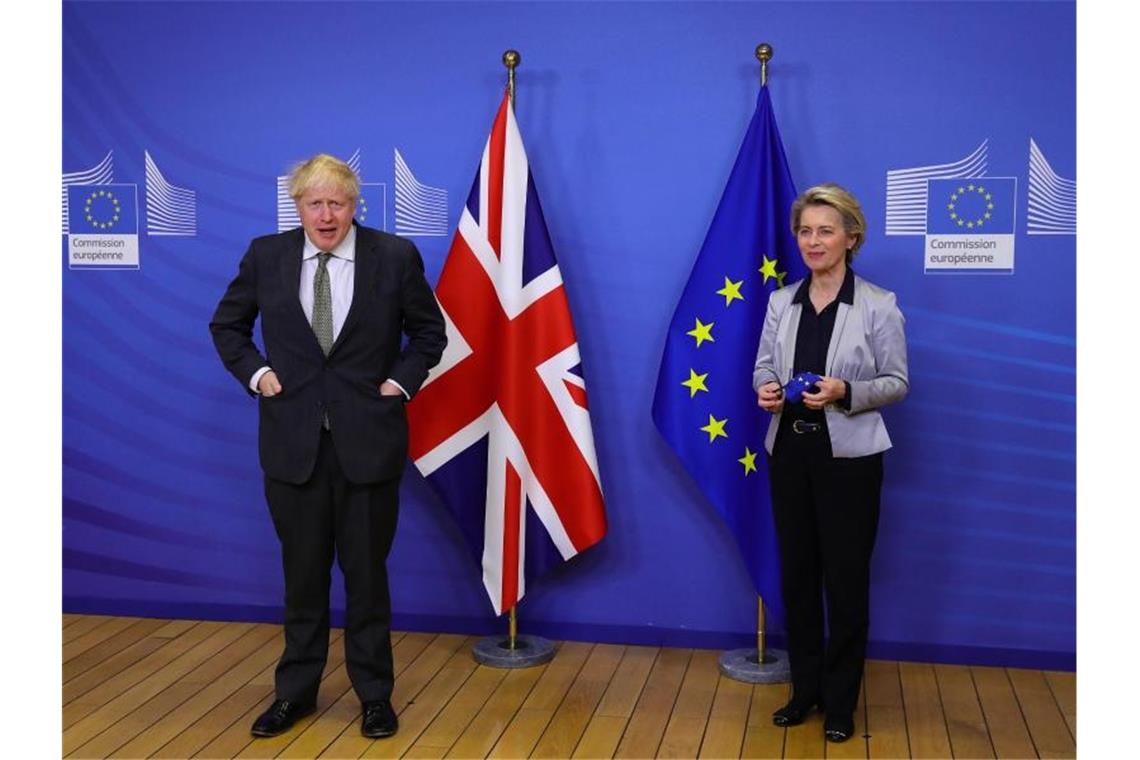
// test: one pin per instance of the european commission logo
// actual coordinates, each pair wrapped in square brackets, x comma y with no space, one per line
[968,217]
[101,217]
[103,226]
[970,224]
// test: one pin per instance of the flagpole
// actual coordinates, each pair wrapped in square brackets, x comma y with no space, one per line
[763,54]
[513,629]
[511,59]
[759,628]
[758,665]
[515,651]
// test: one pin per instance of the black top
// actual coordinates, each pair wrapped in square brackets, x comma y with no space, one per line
[812,339]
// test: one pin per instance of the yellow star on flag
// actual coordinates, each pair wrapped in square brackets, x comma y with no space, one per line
[780,278]
[715,428]
[768,269]
[731,291]
[702,332]
[748,460]
[695,383]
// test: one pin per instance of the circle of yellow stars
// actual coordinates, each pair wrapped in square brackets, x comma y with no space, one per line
[702,333]
[88,209]
[961,193]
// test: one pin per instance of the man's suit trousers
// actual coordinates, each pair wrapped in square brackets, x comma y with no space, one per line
[324,517]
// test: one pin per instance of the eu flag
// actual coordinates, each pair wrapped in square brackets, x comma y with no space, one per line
[102,210]
[971,206]
[704,405]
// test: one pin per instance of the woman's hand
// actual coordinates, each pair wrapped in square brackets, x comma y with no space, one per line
[831,389]
[770,397]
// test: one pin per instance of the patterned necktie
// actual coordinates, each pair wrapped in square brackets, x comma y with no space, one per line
[322,304]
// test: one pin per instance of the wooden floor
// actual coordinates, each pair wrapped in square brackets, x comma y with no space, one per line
[137,687]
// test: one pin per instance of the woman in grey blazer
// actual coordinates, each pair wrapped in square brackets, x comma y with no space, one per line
[826,451]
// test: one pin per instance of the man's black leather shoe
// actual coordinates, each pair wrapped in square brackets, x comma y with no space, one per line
[792,714]
[379,720]
[280,717]
[838,728]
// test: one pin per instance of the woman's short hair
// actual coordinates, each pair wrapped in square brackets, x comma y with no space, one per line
[831,194]
[323,170]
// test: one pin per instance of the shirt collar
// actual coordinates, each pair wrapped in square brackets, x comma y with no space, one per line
[846,290]
[346,250]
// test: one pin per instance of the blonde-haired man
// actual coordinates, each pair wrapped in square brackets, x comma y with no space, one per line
[334,299]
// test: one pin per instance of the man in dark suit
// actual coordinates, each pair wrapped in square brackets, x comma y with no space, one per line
[334,300]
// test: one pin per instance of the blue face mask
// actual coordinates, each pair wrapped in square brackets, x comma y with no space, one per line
[805,381]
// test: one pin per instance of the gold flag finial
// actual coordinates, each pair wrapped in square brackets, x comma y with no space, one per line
[764,54]
[511,59]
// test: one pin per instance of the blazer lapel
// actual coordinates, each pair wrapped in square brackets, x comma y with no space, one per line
[837,333]
[837,336]
[291,274]
[366,264]
[791,325]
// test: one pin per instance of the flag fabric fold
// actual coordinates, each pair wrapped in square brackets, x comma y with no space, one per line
[501,429]
[704,405]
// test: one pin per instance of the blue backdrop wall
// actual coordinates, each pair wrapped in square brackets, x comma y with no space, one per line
[632,114]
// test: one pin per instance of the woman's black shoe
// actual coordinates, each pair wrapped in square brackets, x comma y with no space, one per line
[838,728]
[792,714]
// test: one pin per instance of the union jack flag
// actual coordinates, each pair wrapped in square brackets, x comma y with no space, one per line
[501,429]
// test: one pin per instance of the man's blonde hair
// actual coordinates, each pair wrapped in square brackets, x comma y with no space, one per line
[323,170]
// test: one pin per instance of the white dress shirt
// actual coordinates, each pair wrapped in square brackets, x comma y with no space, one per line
[342,277]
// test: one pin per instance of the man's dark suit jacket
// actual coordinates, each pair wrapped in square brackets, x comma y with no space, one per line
[390,297]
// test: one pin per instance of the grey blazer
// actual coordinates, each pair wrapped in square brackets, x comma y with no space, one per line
[867,349]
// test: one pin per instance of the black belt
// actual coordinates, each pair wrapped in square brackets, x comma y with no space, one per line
[802,426]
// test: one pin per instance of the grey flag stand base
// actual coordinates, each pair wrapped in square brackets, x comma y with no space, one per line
[741,665]
[496,652]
